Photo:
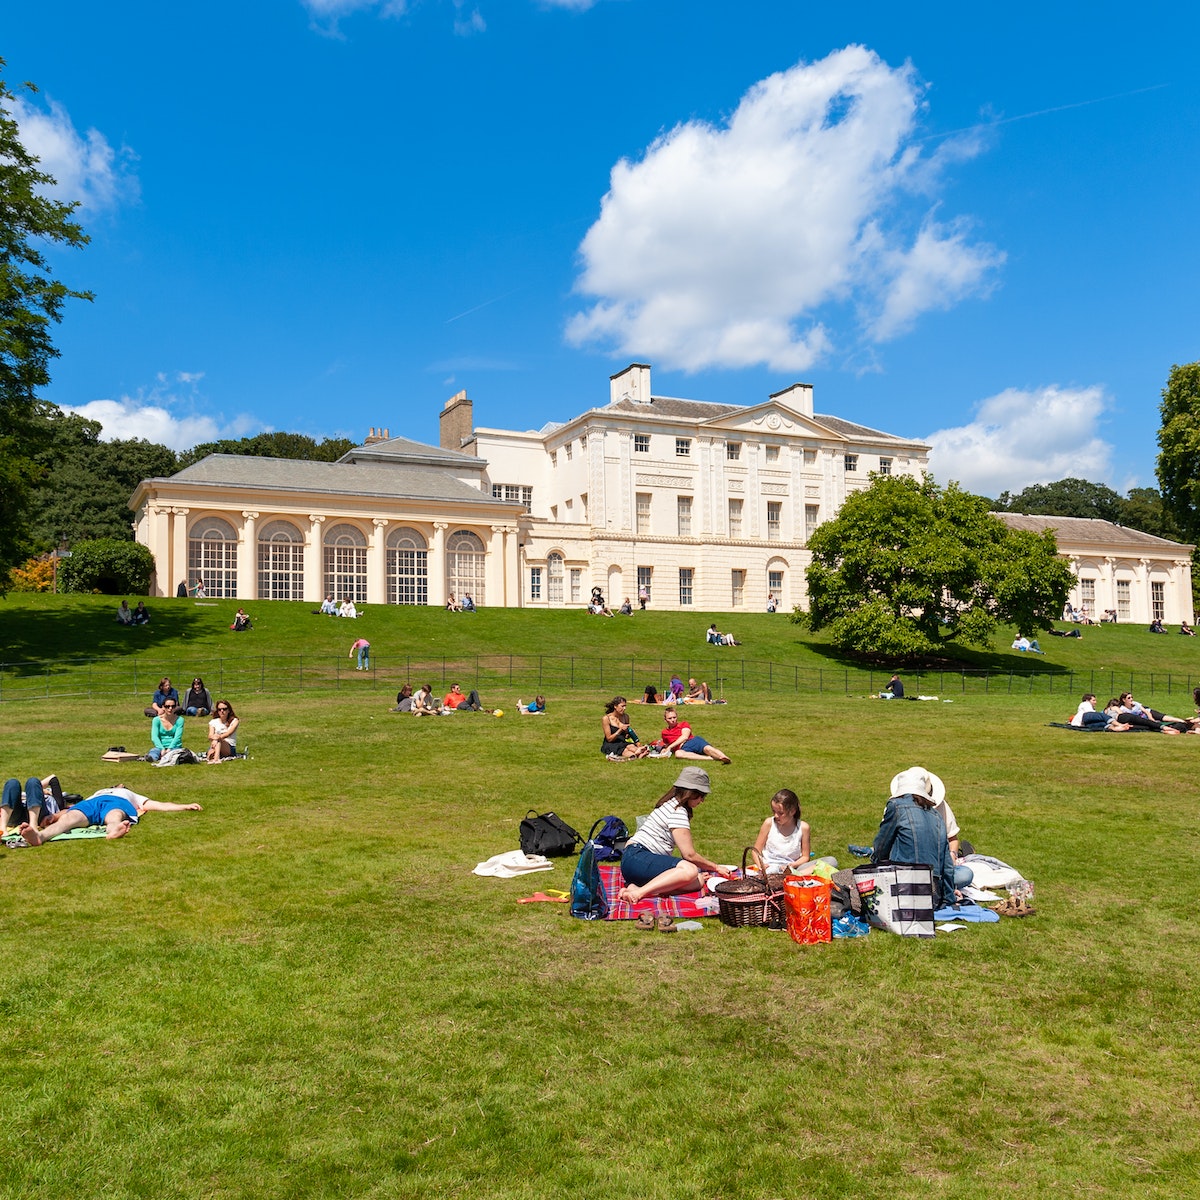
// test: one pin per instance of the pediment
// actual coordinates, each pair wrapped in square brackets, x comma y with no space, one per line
[772,419]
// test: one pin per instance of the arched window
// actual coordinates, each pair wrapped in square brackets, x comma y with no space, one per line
[346,563]
[212,556]
[554,577]
[465,565]
[280,562]
[407,567]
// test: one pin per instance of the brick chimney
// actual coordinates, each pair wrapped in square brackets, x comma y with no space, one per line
[798,397]
[377,435]
[457,422]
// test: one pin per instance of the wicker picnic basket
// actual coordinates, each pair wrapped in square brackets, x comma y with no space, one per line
[753,900]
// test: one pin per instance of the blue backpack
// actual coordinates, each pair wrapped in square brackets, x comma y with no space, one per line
[610,841]
[587,892]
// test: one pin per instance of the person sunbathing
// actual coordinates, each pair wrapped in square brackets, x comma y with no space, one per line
[117,809]
[678,739]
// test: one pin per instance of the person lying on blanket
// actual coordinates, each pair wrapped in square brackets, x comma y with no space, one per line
[648,863]
[117,809]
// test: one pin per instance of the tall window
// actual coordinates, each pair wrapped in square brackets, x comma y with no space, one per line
[465,565]
[772,454]
[683,447]
[554,578]
[733,451]
[212,556]
[407,567]
[885,466]
[644,576]
[810,458]
[280,562]
[576,585]
[812,518]
[643,512]
[683,506]
[535,583]
[774,519]
[1123,606]
[346,563]
[1087,595]
[567,448]
[775,584]
[1158,601]
[738,595]
[641,443]
[687,576]
[735,518]
[850,462]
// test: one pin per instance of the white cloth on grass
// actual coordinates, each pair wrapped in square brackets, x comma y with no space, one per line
[512,864]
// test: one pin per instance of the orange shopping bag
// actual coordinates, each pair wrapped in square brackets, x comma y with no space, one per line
[806,898]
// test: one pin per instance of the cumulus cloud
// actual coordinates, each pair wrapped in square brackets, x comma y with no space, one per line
[168,413]
[85,167]
[1021,437]
[737,244]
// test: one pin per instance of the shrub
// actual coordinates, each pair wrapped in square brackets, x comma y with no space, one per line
[37,575]
[107,565]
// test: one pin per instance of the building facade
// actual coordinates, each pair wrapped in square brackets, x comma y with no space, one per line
[707,506]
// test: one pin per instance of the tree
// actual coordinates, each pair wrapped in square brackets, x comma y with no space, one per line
[1143,509]
[31,302]
[907,566]
[1178,467]
[1067,498]
[272,445]
[107,565]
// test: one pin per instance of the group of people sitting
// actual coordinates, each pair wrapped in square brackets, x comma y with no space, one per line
[331,608]
[695,693]
[132,616]
[716,638]
[1123,714]
[423,703]
[466,604]
[167,713]
[918,826]
[620,741]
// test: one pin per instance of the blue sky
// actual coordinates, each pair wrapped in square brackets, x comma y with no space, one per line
[976,227]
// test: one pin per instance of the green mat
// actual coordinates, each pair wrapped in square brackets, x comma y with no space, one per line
[14,841]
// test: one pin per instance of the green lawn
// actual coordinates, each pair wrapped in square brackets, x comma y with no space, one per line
[303,991]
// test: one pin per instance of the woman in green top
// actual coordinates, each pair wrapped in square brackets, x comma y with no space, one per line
[166,731]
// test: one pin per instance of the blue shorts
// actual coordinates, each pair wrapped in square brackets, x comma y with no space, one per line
[96,808]
[639,865]
[694,745]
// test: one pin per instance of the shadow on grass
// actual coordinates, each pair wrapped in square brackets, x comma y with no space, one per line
[956,659]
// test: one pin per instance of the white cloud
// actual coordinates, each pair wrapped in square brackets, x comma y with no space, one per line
[166,414]
[731,245]
[1023,437]
[84,166]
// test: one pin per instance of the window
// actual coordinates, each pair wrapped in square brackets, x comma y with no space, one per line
[851,462]
[1087,595]
[772,454]
[733,451]
[1123,609]
[554,578]
[812,518]
[465,560]
[643,512]
[644,575]
[346,563]
[576,585]
[583,441]
[407,567]
[885,466]
[738,595]
[535,583]
[775,584]
[774,519]
[686,577]
[212,556]
[567,447]
[735,518]
[810,458]
[280,562]
[683,447]
[683,506]
[521,493]
[554,458]
[1158,601]
[641,443]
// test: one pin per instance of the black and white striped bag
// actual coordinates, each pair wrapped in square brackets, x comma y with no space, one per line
[897,897]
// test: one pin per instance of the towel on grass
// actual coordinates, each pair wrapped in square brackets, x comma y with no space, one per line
[967,912]
[512,864]
[685,904]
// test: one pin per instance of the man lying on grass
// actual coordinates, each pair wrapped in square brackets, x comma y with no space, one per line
[117,809]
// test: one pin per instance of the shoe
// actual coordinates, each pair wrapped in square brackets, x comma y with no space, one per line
[860,851]
[55,788]
[615,758]
[664,924]
[645,921]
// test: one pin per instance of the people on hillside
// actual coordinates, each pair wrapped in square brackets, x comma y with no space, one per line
[717,638]
[222,732]
[772,603]
[1186,629]
[329,606]
[649,696]
[124,613]
[348,609]
[648,863]
[620,741]
[425,703]
[455,701]
[678,739]
[1139,716]
[643,596]
[201,592]
[166,731]
[141,614]
[894,689]
[468,604]
[197,700]
[1156,626]
[674,691]
[535,708]
[241,622]
[626,609]
[452,604]
[362,648]
[698,693]
[117,809]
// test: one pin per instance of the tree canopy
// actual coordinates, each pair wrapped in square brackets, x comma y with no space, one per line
[31,302]
[1068,497]
[271,445]
[1179,449]
[907,566]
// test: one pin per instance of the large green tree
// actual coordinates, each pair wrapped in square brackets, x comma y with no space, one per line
[907,566]
[1069,497]
[31,303]
[272,445]
[1179,448]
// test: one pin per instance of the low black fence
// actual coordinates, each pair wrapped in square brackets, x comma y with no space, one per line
[529,674]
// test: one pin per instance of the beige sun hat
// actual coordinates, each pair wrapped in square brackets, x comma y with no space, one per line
[694,778]
[916,781]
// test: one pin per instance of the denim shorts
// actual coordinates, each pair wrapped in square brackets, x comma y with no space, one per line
[694,745]
[639,865]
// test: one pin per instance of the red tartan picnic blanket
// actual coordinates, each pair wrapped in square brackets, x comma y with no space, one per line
[686,904]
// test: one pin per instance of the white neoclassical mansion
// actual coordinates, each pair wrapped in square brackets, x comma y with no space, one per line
[708,506]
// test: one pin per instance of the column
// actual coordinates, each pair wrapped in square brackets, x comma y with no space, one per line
[160,547]
[494,567]
[437,565]
[512,568]
[377,563]
[248,557]
[1109,576]
[314,586]
[179,545]
[1141,601]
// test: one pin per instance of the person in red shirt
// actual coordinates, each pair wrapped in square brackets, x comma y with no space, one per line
[677,737]
[455,699]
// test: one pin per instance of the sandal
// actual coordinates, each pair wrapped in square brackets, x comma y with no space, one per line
[664,924]
[645,921]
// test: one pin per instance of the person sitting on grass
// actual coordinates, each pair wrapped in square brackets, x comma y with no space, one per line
[619,739]
[348,609]
[650,695]
[124,613]
[222,732]
[452,604]
[117,809]
[1137,715]
[404,699]
[197,700]
[166,731]
[1186,629]
[536,708]
[698,693]
[648,863]
[678,739]
[241,622]
[141,615]
[455,701]
[468,604]
[329,606]
[424,703]
[783,841]
[164,693]
[626,609]
[912,832]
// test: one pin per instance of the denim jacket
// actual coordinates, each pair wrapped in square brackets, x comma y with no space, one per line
[909,833]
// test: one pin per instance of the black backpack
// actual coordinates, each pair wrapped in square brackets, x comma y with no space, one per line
[548,834]
[608,838]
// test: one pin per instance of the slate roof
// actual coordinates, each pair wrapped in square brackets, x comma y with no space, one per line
[1095,532]
[399,447]
[397,480]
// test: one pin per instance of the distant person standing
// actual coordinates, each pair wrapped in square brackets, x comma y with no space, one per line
[201,591]
[363,648]
[643,597]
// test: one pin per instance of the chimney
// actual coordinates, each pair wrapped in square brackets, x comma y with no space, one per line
[633,383]
[376,435]
[798,397]
[457,422]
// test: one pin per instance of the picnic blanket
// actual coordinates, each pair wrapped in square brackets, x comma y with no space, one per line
[14,841]
[685,904]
